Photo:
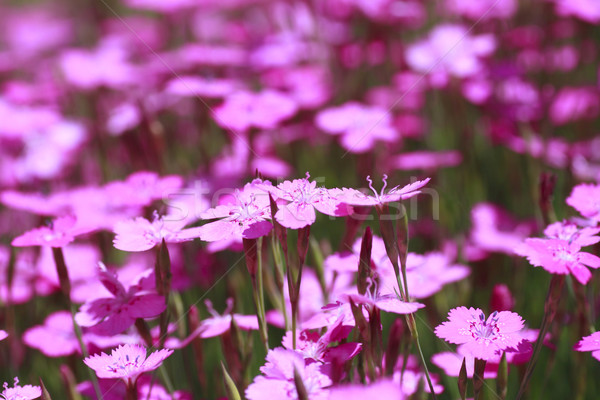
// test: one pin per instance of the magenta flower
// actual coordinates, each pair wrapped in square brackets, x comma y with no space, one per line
[397,193]
[126,362]
[560,257]
[585,198]
[360,125]
[246,217]
[243,110]
[139,234]
[278,382]
[3,334]
[17,392]
[590,343]
[56,338]
[113,315]
[388,302]
[303,197]
[317,347]
[482,339]
[450,50]
[216,325]
[62,232]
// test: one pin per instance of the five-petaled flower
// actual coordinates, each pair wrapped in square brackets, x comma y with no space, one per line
[482,338]
[126,362]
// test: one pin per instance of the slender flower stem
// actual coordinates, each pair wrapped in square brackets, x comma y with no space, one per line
[550,307]
[397,252]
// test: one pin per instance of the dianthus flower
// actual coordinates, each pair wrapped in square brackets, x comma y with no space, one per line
[482,338]
[17,392]
[246,217]
[559,256]
[113,315]
[126,362]
[139,234]
[278,382]
[62,232]
[397,193]
[303,197]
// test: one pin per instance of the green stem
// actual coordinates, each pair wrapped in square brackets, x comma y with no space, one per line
[552,299]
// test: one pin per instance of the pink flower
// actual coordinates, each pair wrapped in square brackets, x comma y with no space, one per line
[62,232]
[482,339]
[113,315]
[388,302]
[358,198]
[360,125]
[243,110]
[450,50]
[3,334]
[139,234]
[126,362]
[559,257]
[56,338]
[244,217]
[590,343]
[586,10]
[215,325]
[105,66]
[316,347]
[303,198]
[427,160]
[574,103]
[17,392]
[585,198]
[278,382]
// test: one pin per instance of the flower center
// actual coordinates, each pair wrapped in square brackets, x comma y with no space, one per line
[481,328]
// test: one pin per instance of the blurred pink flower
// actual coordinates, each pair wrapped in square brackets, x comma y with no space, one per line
[585,198]
[590,343]
[573,104]
[449,50]
[113,315]
[139,234]
[61,232]
[216,325]
[56,338]
[586,10]
[3,334]
[106,66]
[482,10]
[360,125]
[427,160]
[17,392]
[278,380]
[243,110]
[126,362]
[494,230]
[482,339]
